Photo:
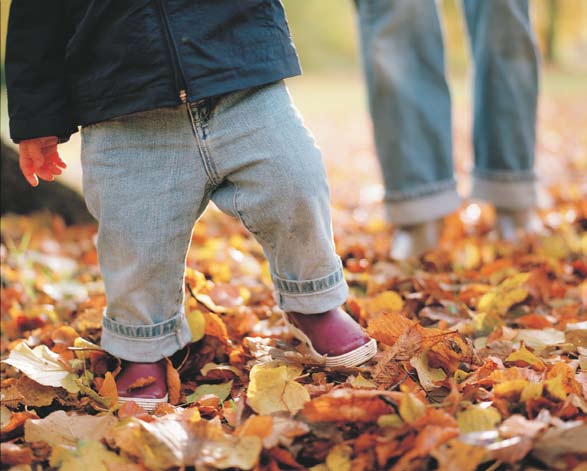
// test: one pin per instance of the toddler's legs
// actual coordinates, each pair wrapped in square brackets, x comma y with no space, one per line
[145,183]
[269,173]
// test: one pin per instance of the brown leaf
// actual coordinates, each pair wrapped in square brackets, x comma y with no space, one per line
[13,454]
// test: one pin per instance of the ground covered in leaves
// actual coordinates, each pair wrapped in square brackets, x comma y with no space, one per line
[482,363]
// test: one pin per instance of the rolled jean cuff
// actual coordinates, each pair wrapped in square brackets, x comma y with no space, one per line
[311,296]
[423,205]
[145,343]
[506,190]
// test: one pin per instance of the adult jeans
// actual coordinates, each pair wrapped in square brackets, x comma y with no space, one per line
[147,178]
[403,58]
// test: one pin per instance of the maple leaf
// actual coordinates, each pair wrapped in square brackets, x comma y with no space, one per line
[274,389]
[509,292]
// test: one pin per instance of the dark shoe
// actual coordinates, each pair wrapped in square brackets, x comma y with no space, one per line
[333,338]
[155,390]
[513,224]
[412,241]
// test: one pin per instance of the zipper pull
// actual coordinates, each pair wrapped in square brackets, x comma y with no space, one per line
[183,96]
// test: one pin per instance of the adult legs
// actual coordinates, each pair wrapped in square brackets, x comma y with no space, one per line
[505,99]
[403,59]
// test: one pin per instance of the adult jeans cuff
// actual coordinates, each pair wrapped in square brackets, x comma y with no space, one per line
[145,343]
[311,296]
[424,207]
[516,192]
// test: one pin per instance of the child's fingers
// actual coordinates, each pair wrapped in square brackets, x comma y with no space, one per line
[27,167]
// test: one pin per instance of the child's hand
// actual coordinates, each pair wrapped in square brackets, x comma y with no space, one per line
[39,159]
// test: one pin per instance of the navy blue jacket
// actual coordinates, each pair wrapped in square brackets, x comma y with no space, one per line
[77,62]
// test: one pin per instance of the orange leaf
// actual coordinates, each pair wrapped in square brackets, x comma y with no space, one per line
[259,425]
[108,390]
[388,327]
[173,382]
[215,326]
[350,405]
[142,382]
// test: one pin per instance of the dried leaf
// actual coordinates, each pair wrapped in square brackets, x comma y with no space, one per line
[41,365]
[109,391]
[221,391]
[339,458]
[60,428]
[89,455]
[273,389]
[501,298]
[478,419]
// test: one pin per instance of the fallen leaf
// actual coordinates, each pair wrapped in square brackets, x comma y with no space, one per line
[501,298]
[524,357]
[60,428]
[458,456]
[428,377]
[411,408]
[221,391]
[478,419]
[350,405]
[273,389]
[13,454]
[388,301]
[109,391]
[89,455]
[41,365]
[339,458]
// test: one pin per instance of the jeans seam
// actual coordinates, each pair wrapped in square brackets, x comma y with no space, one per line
[505,176]
[149,331]
[425,190]
[305,287]
[209,166]
[311,293]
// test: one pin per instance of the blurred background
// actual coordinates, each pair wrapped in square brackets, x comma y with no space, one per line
[331,94]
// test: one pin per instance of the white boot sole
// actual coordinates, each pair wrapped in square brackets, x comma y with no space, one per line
[148,404]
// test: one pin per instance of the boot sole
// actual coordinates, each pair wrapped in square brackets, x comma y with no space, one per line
[148,404]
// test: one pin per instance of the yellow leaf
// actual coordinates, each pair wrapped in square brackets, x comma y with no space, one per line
[88,455]
[501,298]
[361,382]
[197,324]
[427,376]
[527,358]
[531,391]
[411,408]
[508,388]
[555,388]
[388,301]
[339,458]
[390,420]
[273,389]
[478,419]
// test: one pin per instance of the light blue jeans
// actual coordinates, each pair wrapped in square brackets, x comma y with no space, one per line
[147,178]
[410,105]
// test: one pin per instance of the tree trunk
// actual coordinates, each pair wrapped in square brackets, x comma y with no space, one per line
[19,197]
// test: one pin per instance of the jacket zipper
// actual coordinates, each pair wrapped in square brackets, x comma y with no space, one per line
[178,75]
